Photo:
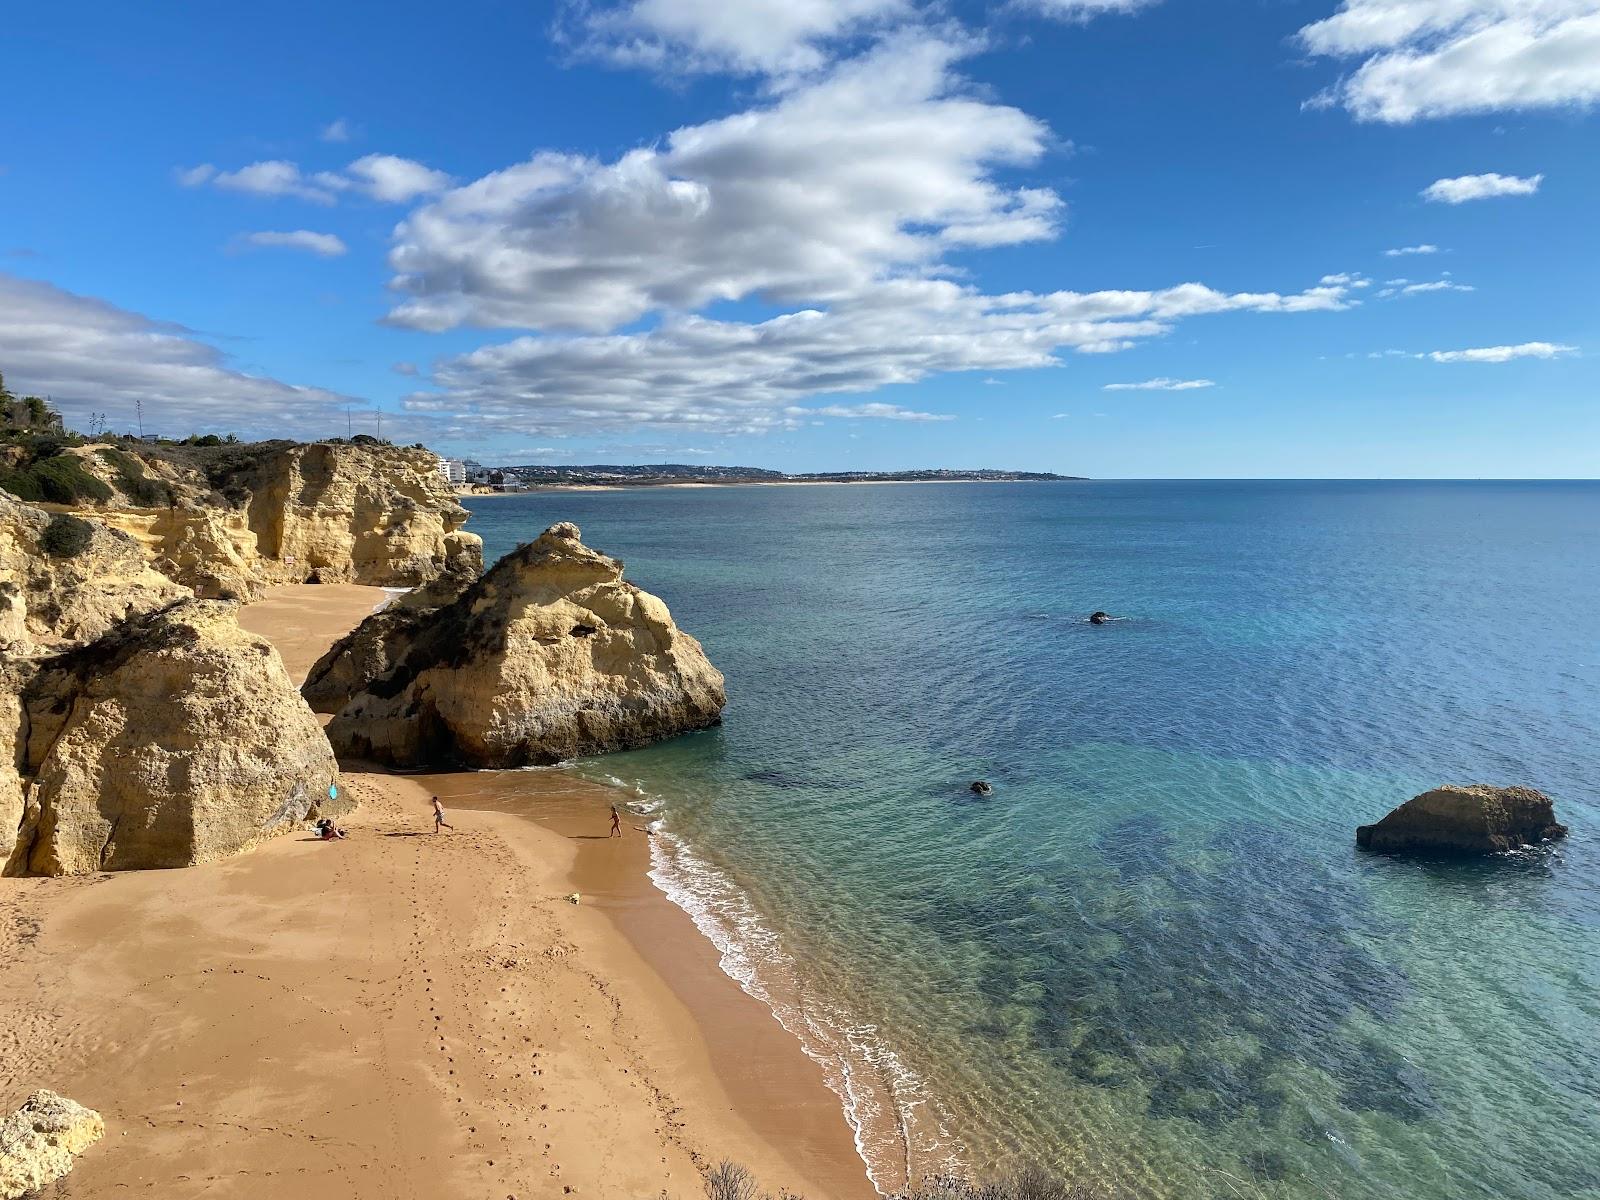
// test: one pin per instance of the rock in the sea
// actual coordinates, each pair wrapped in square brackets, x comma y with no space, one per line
[64,579]
[550,655]
[1099,618]
[175,739]
[39,1142]
[981,788]
[1475,819]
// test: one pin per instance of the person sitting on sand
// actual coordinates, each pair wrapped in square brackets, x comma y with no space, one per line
[328,831]
[438,817]
[616,823]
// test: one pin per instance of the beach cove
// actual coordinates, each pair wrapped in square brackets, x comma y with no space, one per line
[403,1014]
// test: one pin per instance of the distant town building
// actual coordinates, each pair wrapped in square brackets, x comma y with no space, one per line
[27,413]
[453,471]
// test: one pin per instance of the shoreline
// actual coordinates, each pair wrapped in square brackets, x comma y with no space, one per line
[331,1021]
[533,489]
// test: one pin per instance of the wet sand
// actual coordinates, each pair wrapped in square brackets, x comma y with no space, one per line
[405,1014]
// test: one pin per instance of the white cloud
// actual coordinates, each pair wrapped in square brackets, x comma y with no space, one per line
[383,177]
[1083,10]
[875,170]
[1436,285]
[325,244]
[274,177]
[1345,279]
[89,355]
[337,131]
[1436,58]
[395,180]
[1480,187]
[874,411]
[195,176]
[771,37]
[1501,354]
[1402,251]
[1162,384]
[728,376]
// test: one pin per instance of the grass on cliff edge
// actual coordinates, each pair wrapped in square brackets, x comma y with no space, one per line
[729,1181]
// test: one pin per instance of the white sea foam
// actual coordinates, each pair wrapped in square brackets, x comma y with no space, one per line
[895,1123]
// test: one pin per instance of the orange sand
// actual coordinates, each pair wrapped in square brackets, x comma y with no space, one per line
[403,1014]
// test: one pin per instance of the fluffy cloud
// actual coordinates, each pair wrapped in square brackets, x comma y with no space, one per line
[1500,354]
[877,169]
[1480,187]
[274,177]
[1162,384]
[772,37]
[383,177]
[337,131]
[393,180]
[729,376]
[1403,251]
[1436,58]
[88,355]
[325,244]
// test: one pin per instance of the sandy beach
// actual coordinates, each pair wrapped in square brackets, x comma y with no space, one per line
[404,1014]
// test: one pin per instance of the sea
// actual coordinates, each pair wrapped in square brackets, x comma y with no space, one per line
[1152,959]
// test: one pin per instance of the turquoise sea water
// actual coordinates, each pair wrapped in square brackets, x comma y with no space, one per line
[1153,957]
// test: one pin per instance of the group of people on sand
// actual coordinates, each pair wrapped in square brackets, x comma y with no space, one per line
[329,830]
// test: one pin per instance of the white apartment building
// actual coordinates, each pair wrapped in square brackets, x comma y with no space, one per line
[453,471]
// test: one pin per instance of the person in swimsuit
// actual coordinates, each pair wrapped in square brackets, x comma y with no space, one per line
[616,823]
[438,817]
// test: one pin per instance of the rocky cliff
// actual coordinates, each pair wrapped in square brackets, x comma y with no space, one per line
[225,520]
[548,656]
[174,739]
[68,580]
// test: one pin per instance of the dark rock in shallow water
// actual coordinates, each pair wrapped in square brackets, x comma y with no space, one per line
[980,788]
[1475,819]
[1100,618]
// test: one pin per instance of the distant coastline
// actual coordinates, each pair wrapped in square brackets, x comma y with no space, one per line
[606,478]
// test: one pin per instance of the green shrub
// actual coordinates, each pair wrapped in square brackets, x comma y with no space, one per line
[66,536]
[58,480]
[136,485]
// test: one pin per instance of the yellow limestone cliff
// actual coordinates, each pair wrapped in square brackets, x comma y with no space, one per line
[225,520]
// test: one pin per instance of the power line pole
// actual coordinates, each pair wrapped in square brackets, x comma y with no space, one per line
[349,423]
[138,407]
[379,413]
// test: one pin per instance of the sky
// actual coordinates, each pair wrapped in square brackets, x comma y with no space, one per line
[1116,238]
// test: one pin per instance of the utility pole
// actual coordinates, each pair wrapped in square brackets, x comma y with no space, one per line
[379,413]
[349,423]
[138,407]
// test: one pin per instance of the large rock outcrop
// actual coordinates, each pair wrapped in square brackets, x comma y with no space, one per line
[368,652]
[550,655]
[1474,819]
[39,1142]
[174,739]
[226,520]
[66,580]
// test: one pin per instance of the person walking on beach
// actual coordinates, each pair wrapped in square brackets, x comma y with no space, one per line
[616,823]
[438,817]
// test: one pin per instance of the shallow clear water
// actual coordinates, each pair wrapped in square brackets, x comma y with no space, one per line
[1153,956]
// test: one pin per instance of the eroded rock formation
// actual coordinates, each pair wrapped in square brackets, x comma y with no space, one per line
[226,520]
[67,580]
[39,1142]
[174,739]
[1475,819]
[548,656]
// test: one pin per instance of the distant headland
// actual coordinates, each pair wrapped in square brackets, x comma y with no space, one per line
[518,478]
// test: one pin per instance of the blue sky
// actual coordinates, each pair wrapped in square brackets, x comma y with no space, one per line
[816,234]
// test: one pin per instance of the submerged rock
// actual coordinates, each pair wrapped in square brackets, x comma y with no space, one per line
[39,1142]
[174,739]
[1475,819]
[549,656]
[980,788]
[1099,618]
